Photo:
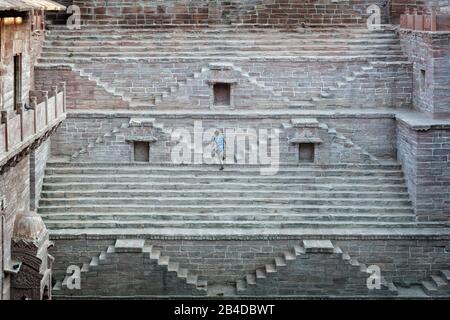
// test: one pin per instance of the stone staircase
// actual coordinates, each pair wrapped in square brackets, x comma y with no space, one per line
[158,198]
[98,42]
[437,284]
[115,261]
[310,260]
[146,66]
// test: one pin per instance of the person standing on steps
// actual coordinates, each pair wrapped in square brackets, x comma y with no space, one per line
[219,149]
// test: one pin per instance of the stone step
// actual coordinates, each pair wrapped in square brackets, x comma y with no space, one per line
[250,279]
[241,285]
[270,268]
[164,261]
[192,279]
[215,179]
[445,274]
[229,216]
[381,60]
[299,250]
[268,42]
[183,273]
[429,287]
[94,263]
[382,189]
[207,51]
[230,170]
[173,266]
[439,281]
[260,274]
[205,38]
[317,246]
[64,59]
[57,163]
[157,52]
[139,34]
[161,201]
[155,254]
[85,267]
[235,225]
[265,208]
[52,163]
[129,245]
[280,262]
[102,257]
[217,192]
[289,255]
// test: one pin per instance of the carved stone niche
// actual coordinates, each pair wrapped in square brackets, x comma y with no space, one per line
[306,137]
[30,245]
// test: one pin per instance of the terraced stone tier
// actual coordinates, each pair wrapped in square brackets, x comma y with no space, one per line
[217,42]
[143,68]
[156,196]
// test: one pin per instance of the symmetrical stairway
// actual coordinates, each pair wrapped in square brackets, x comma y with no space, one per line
[437,284]
[294,273]
[153,274]
[147,66]
[84,196]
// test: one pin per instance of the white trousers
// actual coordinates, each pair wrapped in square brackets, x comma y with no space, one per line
[219,155]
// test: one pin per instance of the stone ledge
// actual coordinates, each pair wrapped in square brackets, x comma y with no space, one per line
[149,139]
[318,246]
[420,122]
[298,140]
[305,123]
[297,234]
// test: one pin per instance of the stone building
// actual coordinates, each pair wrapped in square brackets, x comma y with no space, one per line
[28,119]
[336,117]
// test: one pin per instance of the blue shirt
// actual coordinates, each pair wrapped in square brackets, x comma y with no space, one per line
[220,142]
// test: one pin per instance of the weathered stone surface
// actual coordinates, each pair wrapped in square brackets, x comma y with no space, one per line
[317,246]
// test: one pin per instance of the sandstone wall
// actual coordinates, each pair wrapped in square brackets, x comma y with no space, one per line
[265,84]
[404,261]
[429,54]
[424,155]
[105,138]
[272,13]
